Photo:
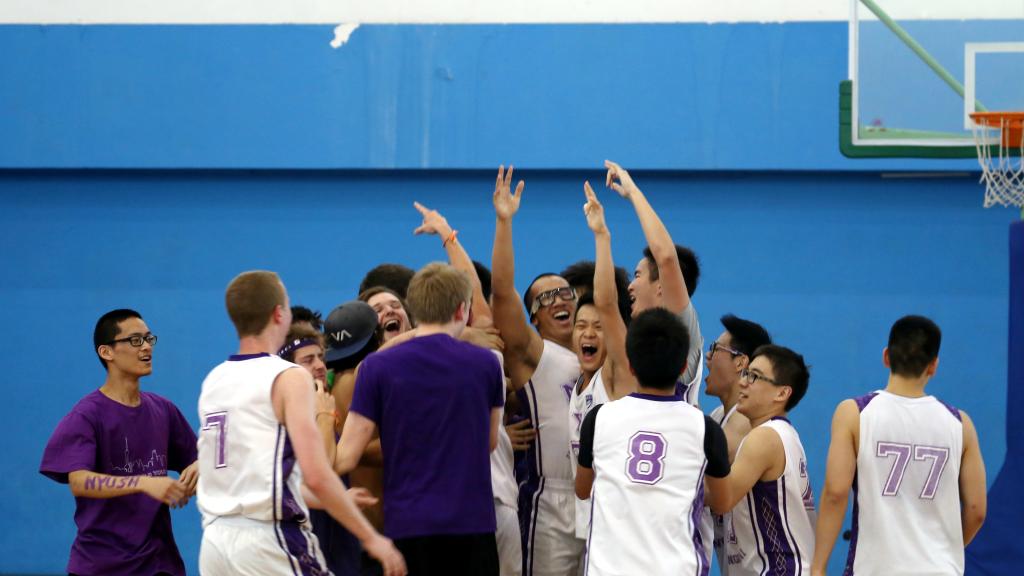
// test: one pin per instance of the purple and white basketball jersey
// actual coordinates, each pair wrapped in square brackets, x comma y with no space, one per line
[580,403]
[906,511]
[714,527]
[546,500]
[772,530]
[246,463]
[648,489]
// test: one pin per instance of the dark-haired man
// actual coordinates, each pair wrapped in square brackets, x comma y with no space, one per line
[308,317]
[773,525]
[666,276]
[727,358]
[543,368]
[644,459]
[114,450]
[581,276]
[920,496]
[395,277]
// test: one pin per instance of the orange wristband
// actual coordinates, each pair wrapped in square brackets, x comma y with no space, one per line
[450,238]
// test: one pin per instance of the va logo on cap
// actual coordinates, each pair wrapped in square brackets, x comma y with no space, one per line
[340,336]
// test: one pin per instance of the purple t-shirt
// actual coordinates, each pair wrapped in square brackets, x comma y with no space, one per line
[432,399]
[129,534]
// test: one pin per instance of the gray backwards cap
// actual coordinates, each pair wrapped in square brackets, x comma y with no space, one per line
[348,328]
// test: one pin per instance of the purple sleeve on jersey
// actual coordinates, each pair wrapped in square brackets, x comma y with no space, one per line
[366,396]
[497,384]
[952,410]
[183,449]
[71,447]
[862,401]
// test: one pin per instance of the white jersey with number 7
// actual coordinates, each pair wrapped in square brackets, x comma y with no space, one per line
[247,466]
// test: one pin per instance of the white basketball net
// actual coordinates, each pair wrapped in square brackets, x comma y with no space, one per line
[1002,171]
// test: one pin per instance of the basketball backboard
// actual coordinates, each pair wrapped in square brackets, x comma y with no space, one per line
[919,67]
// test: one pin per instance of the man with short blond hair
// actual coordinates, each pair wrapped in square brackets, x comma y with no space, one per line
[437,291]
[253,481]
[437,402]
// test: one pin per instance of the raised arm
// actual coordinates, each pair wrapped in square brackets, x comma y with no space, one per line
[839,474]
[523,346]
[673,288]
[973,499]
[435,223]
[293,400]
[618,379]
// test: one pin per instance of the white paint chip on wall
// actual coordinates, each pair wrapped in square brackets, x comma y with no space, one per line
[342,32]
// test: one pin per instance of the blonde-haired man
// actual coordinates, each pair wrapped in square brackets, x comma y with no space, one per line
[437,401]
[257,422]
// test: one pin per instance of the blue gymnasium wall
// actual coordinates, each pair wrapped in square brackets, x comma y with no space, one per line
[740,119]
[826,263]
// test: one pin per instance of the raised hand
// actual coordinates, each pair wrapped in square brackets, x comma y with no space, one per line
[619,180]
[506,204]
[594,211]
[433,222]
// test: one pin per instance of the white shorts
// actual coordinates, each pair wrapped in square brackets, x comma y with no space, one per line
[552,548]
[510,543]
[238,545]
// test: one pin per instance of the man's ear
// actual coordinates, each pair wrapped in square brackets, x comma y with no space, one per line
[932,367]
[685,364]
[782,393]
[740,362]
[105,352]
[462,312]
[885,357]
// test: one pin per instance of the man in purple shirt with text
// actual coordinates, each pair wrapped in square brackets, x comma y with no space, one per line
[114,449]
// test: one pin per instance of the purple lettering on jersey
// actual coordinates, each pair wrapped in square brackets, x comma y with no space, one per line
[899,466]
[938,456]
[218,421]
[646,463]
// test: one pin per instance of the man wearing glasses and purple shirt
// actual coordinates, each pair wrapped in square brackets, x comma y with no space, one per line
[114,449]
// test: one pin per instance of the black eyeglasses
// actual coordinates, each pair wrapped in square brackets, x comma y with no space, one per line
[566,293]
[716,346]
[136,340]
[752,377]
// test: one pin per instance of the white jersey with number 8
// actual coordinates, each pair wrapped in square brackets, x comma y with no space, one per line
[648,461]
